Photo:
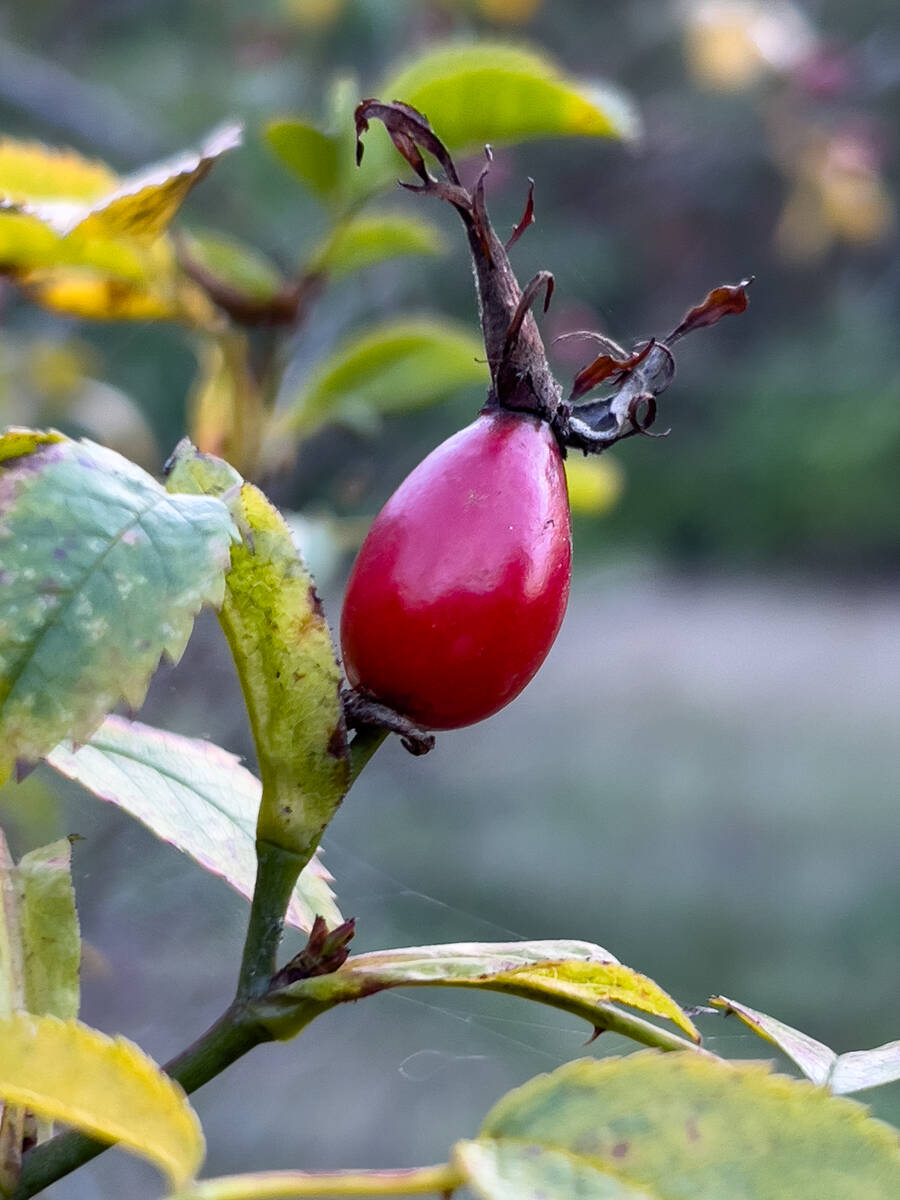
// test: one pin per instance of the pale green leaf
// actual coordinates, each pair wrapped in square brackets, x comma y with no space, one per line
[51,938]
[364,241]
[107,1087]
[688,1127]
[577,977]
[514,1170]
[492,92]
[398,366]
[103,572]
[308,152]
[854,1071]
[814,1059]
[193,795]
[286,663]
[860,1069]
[12,966]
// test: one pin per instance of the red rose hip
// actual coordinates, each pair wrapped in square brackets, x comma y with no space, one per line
[461,585]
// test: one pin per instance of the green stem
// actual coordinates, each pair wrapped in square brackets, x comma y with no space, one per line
[366,741]
[277,872]
[282,1185]
[223,1043]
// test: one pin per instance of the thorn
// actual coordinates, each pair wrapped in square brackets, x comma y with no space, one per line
[526,219]
[543,279]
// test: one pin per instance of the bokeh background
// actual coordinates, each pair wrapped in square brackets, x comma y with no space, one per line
[704,776]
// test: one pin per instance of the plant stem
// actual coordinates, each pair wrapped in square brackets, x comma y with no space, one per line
[365,742]
[282,1185]
[227,1040]
[276,874]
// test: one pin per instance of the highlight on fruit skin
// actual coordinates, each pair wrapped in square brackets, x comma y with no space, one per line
[461,585]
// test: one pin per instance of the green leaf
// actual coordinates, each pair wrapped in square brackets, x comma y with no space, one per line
[396,367]
[491,92]
[577,977]
[286,664]
[363,241]
[511,1170]
[842,1074]
[233,265]
[51,938]
[308,152]
[193,795]
[680,1127]
[107,1087]
[103,572]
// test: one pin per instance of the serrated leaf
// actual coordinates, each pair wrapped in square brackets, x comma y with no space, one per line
[51,938]
[107,1087]
[492,92]
[396,367]
[103,572]
[140,205]
[842,1074]
[364,241]
[286,664]
[577,977]
[307,152]
[193,795]
[512,1170]
[682,1127]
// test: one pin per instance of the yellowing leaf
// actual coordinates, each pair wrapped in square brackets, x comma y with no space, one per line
[675,1126]
[363,241]
[51,939]
[139,205]
[102,573]
[33,171]
[85,294]
[286,663]
[577,977]
[15,443]
[395,367]
[107,1087]
[193,795]
[225,404]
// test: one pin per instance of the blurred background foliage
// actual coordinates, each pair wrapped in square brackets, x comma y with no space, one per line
[704,775]
[767,149]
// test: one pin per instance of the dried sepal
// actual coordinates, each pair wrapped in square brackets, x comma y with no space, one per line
[721,302]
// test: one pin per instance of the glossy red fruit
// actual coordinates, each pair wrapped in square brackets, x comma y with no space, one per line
[461,586]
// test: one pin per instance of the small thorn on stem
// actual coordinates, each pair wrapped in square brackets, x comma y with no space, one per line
[543,279]
[526,219]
